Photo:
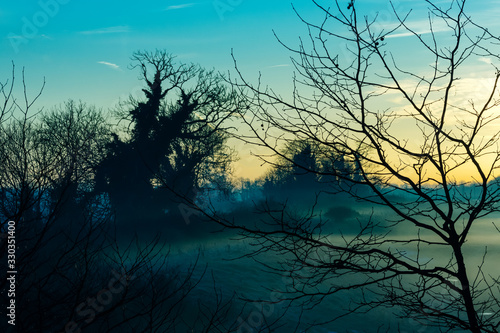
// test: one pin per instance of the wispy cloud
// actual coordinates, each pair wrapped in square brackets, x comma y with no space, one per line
[407,34]
[14,36]
[420,27]
[485,60]
[181,6]
[108,30]
[276,66]
[110,65]
[403,34]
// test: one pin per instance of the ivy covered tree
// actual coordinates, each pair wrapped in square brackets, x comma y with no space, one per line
[176,138]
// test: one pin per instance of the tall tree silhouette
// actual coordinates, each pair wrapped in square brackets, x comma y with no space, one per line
[176,138]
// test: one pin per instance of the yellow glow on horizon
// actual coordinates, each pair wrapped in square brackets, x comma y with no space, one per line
[475,87]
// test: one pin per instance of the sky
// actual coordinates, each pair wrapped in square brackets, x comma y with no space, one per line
[82,48]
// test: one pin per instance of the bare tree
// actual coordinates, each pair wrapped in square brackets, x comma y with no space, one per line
[421,150]
[18,152]
[7,104]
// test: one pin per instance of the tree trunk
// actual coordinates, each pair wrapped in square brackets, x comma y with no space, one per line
[466,290]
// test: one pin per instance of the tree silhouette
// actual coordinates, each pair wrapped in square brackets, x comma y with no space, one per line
[304,167]
[177,139]
[412,173]
[291,174]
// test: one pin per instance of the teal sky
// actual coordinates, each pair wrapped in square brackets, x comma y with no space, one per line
[83,48]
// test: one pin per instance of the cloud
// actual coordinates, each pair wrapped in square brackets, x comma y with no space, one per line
[485,60]
[403,34]
[407,34]
[14,36]
[108,30]
[182,6]
[282,65]
[420,27]
[109,64]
